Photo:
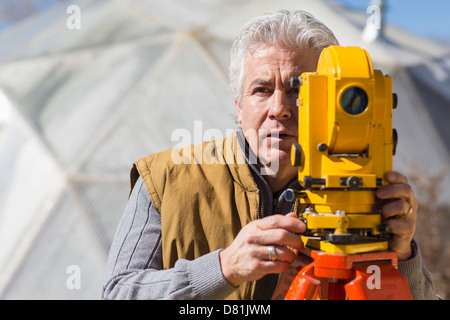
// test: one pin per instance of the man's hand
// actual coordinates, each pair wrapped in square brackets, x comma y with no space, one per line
[399,211]
[248,257]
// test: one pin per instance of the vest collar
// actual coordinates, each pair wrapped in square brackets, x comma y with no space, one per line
[270,203]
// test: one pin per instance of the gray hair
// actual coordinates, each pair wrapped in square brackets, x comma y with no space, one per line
[283,29]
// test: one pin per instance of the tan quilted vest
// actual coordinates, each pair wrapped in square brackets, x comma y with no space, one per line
[203,205]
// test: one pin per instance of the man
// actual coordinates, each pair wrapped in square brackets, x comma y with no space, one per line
[221,230]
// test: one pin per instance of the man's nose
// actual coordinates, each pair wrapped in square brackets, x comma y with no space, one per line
[281,106]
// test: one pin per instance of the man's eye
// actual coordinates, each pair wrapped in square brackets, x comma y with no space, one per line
[294,91]
[261,90]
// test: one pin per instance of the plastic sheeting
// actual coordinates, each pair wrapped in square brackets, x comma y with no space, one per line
[87,103]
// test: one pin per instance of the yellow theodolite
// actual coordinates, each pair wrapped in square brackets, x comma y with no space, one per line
[345,148]
[346,144]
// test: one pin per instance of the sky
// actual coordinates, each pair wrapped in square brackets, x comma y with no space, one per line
[427,18]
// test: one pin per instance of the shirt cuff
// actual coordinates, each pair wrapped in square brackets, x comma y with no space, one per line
[417,275]
[411,267]
[207,279]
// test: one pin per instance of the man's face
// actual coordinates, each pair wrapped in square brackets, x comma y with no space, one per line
[268,107]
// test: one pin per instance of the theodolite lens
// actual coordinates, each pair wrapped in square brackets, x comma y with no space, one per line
[354,100]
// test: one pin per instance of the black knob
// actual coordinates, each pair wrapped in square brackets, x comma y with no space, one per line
[289,195]
[322,147]
[295,82]
[296,155]
[394,140]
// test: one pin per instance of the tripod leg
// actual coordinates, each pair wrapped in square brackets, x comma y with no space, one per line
[384,283]
[305,286]
[332,290]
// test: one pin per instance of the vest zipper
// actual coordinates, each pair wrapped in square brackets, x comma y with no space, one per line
[261,209]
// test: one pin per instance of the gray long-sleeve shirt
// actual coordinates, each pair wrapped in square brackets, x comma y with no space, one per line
[134,268]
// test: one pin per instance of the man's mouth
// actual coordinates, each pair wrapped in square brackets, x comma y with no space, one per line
[282,135]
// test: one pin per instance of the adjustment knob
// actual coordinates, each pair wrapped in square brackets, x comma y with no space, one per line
[296,155]
[295,82]
[354,182]
[394,141]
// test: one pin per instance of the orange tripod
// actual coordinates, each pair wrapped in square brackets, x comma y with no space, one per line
[366,276]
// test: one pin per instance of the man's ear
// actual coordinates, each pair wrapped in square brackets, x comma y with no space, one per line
[239,111]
